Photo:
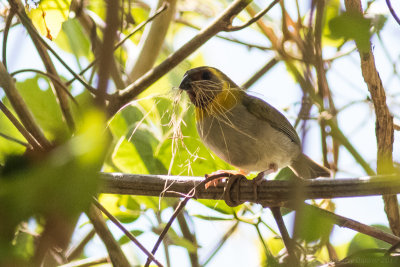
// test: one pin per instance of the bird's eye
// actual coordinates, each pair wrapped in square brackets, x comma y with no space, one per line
[206,75]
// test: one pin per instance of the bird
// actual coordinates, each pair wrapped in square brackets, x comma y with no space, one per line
[243,130]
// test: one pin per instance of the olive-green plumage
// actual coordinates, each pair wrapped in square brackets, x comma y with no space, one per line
[244,130]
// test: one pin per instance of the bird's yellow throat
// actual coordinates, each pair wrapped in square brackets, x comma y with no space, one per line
[222,103]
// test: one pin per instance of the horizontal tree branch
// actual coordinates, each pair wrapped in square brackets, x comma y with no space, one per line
[269,193]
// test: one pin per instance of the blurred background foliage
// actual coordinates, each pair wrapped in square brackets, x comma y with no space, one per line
[156,132]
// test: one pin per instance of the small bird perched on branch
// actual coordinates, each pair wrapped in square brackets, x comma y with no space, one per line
[244,130]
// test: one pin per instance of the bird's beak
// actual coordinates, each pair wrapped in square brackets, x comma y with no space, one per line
[185,84]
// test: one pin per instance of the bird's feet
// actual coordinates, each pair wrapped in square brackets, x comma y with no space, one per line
[260,177]
[220,175]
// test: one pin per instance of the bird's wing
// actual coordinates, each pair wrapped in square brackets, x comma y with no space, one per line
[266,112]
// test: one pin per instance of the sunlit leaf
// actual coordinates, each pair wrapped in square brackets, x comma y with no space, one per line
[331,11]
[275,245]
[121,207]
[72,39]
[8,147]
[40,99]
[49,15]
[352,26]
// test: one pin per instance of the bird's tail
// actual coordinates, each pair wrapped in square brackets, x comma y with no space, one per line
[306,168]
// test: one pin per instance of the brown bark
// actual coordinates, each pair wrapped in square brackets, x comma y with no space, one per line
[384,122]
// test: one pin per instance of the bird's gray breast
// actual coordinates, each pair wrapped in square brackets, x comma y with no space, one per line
[245,141]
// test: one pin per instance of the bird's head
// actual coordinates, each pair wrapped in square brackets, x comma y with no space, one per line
[204,84]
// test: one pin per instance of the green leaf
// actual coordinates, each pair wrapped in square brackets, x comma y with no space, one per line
[219,206]
[127,216]
[72,39]
[275,245]
[285,174]
[311,226]
[8,147]
[44,107]
[49,15]
[132,114]
[123,207]
[331,11]
[134,154]
[127,158]
[362,241]
[352,26]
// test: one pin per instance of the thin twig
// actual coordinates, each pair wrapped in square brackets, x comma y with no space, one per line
[389,5]
[264,244]
[289,244]
[54,78]
[24,18]
[254,19]
[187,234]
[268,32]
[90,27]
[354,225]
[115,252]
[5,34]
[12,139]
[323,86]
[126,232]
[220,243]
[31,140]
[178,209]
[76,251]
[12,25]
[107,52]
[87,262]
[248,45]
[59,92]
[20,107]
[135,30]
[165,241]
[270,64]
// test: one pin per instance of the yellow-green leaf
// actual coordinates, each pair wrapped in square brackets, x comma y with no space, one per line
[49,15]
